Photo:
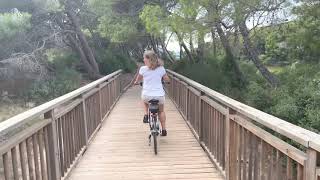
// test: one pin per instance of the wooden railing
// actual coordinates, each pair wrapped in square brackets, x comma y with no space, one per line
[244,142]
[48,149]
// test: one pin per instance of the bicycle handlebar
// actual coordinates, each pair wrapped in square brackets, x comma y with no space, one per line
[141,83]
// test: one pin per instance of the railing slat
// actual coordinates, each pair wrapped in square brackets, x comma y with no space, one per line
[46,146]
[36,156]
[42,156]
[285,148]
[14,155]
[6,168]
[53,147]
[310,167]
[23,160]
[30,159]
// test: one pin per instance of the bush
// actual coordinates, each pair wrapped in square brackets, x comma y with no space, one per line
[212,73]
[63,82]
[297,100]
[62,58]
[109,61]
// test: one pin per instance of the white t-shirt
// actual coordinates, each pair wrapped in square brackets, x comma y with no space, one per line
[152,85]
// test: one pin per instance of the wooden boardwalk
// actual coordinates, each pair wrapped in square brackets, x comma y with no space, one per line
[120,149]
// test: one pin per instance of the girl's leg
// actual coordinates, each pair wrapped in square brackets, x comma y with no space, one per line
[145,117]
[162,116]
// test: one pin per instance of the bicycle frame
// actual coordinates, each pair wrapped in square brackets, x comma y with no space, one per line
[154,125]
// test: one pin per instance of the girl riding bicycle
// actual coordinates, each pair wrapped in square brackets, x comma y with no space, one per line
[152,75]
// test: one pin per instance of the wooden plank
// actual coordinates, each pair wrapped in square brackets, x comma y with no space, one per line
[216,105]
[6,167]
[21,136]
[53,148]
[14,155]
[317,172]
[30,159]
[251,154]
[284,147]
[299,172]
[245,160]
[36,156]
[23,160]
[42,156]
[289,168]
[311,164]
[46,145]
[65,145]
[296,133]
[84,109]
[91,93]
[68,108]
[194,91]
[232,152]
[111,148]
[241,148]
[39,110]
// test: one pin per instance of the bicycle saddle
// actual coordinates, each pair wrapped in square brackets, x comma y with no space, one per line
[154,101]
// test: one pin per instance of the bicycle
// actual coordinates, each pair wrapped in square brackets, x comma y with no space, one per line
[154,123]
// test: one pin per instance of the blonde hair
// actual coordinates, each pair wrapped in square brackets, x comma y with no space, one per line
[153,59]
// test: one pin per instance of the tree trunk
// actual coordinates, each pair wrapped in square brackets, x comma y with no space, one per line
[191,43]
[253,54]
[153,44]
[185,47]
[96,38]
[180,52]
[166,51]
[77,47]
[229,53]
[213,34]
[82,38]
[201,45]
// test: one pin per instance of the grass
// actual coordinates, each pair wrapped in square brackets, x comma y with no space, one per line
[9,110]
[276,69]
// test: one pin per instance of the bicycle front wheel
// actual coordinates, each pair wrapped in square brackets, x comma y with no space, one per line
[155,145]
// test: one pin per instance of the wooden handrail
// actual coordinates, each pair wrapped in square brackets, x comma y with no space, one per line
[236,138]
[53,145]
[39,110]
[296,133]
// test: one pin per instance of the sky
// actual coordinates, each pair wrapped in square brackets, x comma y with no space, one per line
[173,44]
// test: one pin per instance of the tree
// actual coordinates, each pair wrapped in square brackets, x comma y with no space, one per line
[243,10]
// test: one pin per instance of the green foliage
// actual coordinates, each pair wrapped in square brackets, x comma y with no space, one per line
[154,19]
[181,20]
[305,37]
[296,101]
[61,58]
[110,61]
[258,96]
[63,82]
[118,29]
[212,74]
[113,24]
[13,23]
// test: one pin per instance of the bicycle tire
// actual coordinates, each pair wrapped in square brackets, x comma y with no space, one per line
[155,145]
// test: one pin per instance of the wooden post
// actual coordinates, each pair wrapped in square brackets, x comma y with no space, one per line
[85,119]
[310,165]
[53,147]
[227,144]
[230,157]
[100,103]
[200,118]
